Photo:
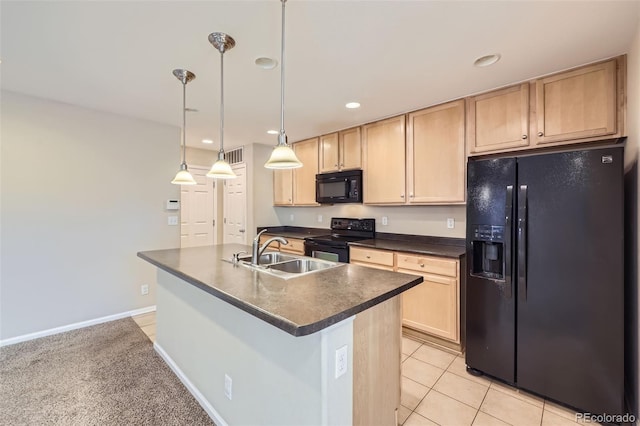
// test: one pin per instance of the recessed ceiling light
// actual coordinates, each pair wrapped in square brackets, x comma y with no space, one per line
[273,132]
[352,105]
[266,63]
[485,61]
[207,141]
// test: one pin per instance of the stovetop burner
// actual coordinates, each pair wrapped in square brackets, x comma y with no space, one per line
[344,231]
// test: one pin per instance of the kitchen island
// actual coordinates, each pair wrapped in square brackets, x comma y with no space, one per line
[258,349]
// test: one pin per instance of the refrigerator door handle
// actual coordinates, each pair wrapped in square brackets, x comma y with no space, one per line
[522,243]
[507,261]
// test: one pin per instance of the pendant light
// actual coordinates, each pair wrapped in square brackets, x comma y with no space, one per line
[183,177]
[282,156]
[221,169]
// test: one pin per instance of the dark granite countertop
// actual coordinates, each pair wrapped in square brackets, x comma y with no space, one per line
[300,305]
[417,247]
[294,231]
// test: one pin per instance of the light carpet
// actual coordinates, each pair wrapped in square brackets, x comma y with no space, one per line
[107,374]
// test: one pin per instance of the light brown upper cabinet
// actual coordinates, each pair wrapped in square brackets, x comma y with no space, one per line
[283,187]
[341,151]
[577,104]
[498,120]
[585,104]
[383,158]
[304,178]
[297,187]
[435,155]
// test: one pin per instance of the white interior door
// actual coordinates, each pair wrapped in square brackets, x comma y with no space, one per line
[235,206]
[197,207]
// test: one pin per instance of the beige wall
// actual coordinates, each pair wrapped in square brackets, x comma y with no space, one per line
[201,157]
[632,232]
[82,192]
[418,220]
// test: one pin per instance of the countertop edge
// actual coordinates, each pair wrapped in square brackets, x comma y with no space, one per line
[454,252]
[276,321]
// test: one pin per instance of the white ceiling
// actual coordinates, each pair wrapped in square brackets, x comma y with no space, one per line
[391,56]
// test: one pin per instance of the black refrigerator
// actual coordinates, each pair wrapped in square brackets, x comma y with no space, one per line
[544,306]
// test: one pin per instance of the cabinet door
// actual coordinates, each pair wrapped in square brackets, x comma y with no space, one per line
[304,178]
[350,149]
[577,104]
[329,153]
[432,307]
[384,161]
[498,120]
[282,187]
[436,155]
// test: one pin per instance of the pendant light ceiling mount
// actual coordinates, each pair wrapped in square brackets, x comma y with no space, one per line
[221,169]
[282,156]
[183,177]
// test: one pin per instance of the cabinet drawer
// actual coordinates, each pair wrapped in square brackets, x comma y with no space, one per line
[372,265]
[380,257]
[295,246]
[428,264]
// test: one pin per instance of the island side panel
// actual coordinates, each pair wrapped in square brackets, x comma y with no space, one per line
[278,379]
[376,364]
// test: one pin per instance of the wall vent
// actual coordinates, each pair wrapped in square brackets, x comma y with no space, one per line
[235,156]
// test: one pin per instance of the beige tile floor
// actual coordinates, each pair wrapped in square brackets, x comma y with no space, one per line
[437,390]
[147,323]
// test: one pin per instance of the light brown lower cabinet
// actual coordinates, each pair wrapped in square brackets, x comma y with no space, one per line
[431,310]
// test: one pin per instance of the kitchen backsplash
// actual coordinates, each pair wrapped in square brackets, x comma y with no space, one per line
[415,220]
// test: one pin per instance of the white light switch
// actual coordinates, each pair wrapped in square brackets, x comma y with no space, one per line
[172,220]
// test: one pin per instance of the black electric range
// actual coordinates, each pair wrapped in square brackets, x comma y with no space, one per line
[335,246]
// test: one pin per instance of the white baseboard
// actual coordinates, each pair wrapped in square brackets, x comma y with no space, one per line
[75,326]
[204,403]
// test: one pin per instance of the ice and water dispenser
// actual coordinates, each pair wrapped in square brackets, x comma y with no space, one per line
[488,252]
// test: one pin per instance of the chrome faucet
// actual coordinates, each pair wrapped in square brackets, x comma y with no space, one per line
[257,250]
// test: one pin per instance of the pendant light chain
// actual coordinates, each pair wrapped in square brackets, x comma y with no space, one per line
[221,153]
[184,120]
[282,139]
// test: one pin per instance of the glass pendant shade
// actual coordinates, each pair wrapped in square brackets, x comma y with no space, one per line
[183,177]
[221,169]
[283,157]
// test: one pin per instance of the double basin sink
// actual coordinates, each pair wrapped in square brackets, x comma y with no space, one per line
[286,265]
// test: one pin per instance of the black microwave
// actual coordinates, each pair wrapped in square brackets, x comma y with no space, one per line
[339,187]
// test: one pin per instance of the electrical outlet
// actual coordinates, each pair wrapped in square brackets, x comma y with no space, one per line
[341,361]
[144,289]
[320,218]
[228,384]
[172,220]
[385,221]
[451,223]
[291,217]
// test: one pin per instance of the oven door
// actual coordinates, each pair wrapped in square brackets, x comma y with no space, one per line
[326,252]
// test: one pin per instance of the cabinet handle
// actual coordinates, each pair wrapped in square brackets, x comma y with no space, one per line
[335,165]
[401,195]
[540,134]
[422,265]
[368,257]
[411,195]
[524,136]
[341,164]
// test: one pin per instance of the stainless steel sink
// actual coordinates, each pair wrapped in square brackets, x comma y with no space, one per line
[287,266]
[269,258]
[301,266]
